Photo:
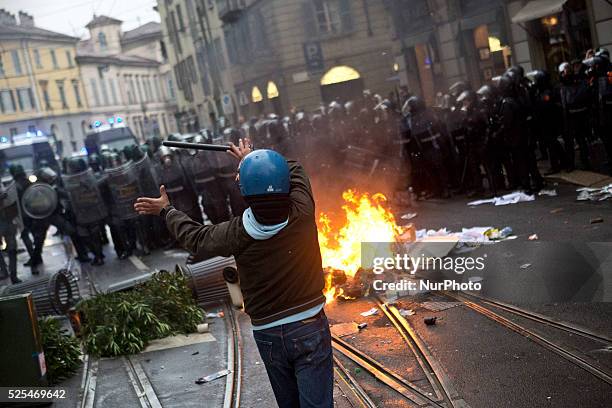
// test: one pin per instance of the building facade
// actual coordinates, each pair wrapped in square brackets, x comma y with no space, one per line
[439,42]
[126,75]
[40,83]
[198,56]
[301,53]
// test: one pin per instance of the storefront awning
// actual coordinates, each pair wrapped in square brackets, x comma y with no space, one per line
[538,8]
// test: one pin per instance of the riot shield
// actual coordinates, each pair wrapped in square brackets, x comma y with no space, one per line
[39,201]
[149,183]
[85,197]
[9,203]
[124,188]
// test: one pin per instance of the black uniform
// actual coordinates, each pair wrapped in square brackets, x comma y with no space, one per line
[575,100]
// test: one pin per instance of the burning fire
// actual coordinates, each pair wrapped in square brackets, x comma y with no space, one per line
[366,220]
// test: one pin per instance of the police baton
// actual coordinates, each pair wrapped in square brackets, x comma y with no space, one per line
[197,146]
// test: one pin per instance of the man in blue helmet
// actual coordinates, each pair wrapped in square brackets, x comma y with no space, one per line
[277,253]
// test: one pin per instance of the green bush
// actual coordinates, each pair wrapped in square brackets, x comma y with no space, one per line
[62,351]
[125,322]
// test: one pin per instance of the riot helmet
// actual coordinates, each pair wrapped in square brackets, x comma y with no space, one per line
[486,93]
[603,53]
[506,85]
[516,70]
[76,165]
[413,105]
[166,155]
[540,79]
[264,184]
[467,99]
[457,88]
[94,162]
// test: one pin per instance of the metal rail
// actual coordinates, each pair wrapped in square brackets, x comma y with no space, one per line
[436,376]
[399,384]
[234,360]
[536,317]
[141,384]
[353,386]
[570,355]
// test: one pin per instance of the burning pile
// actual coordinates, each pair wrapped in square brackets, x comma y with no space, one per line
[365,219]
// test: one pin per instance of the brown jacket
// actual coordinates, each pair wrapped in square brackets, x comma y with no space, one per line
[279,276]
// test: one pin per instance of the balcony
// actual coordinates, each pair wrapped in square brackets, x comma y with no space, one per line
[230,10]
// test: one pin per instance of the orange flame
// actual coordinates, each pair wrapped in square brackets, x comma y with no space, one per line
[366,220]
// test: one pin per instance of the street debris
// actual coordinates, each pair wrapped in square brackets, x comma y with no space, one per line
[407,312]
[344,329]
[195,353]
[525,266]
[598,220]
[409,216]
[373,311]
[202,328]
[495,235]
[556,210]
[468,235]
[362,326]
[550,193]
[212,377]
[534,237]
[219,315]
[594,194]
[512,198]
[430,321]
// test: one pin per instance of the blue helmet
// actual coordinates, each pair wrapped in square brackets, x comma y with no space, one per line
[263,173]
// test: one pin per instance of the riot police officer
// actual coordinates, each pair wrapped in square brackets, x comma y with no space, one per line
[475,125]
[87,205]
[9,220]
[172,175]
[575,100]
[547,110]
[427,139]
[200,170]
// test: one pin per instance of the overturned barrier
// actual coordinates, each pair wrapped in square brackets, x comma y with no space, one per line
[206,279]
[52,294]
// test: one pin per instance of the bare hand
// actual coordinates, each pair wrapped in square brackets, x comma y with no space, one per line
[244,147]
[152,206]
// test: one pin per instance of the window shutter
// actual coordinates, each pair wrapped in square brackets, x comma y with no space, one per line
[20,100]
[345,15]
[309,19]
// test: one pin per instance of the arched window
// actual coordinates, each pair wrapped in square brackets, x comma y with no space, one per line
[256,95]
[341,73]
[272,90]
[102,40]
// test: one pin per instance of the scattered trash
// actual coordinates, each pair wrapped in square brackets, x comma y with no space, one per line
[219,314]
[512,198]
[550,193]
[407,312]
[373,311]
[202,328]
[357,370]
[161,367]
[556,210]
[594,194]
[525,266]
[534,237]
[362,326]
[195,353]
[597,220]
[494,234]
[344,329]
[408,216]
[212,377]
[430,321]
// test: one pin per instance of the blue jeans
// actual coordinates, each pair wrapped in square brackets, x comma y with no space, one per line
[298,359]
